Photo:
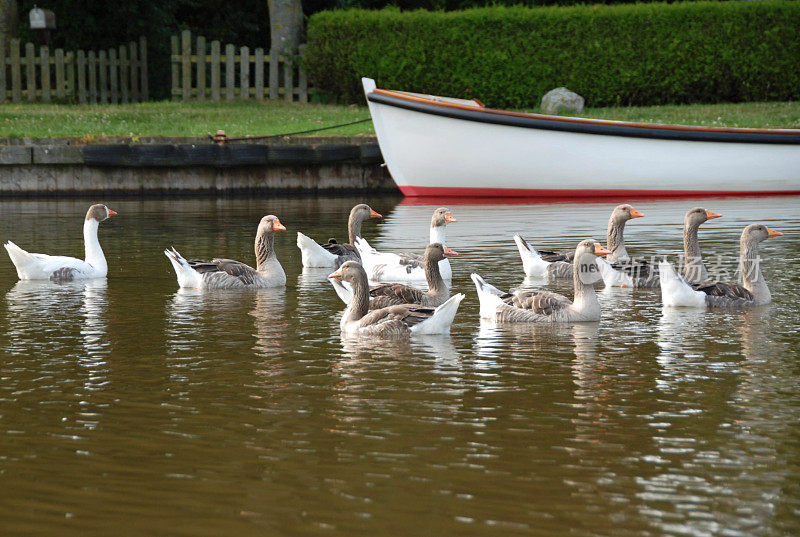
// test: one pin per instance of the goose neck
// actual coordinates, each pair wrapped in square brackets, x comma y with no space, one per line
[94,253]
[359,305]
[354,227]
[615,240]
[750,268]
[436,283]
[438,234]
[265,249]
[694,268]
[584,274]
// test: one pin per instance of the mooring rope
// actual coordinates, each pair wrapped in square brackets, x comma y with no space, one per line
[267,136]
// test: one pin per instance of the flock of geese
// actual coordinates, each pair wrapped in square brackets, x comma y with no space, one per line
[380,301]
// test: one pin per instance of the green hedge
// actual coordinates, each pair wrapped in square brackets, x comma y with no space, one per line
[641,54]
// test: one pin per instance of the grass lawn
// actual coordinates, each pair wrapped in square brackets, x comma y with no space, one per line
[176,119]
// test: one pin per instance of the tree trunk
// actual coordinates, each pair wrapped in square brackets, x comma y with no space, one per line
[8,20]
[286,25]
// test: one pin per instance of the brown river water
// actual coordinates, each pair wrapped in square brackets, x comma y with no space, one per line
[128,407]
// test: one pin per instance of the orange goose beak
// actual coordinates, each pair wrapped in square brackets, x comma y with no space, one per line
[600,250]
[711,214]
[448,252]
[336,275]
[448,217]
[374,214]
[111,213]
[636,214]
[277,226]
[773,233]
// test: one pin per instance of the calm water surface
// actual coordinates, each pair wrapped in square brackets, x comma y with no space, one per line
[129,407]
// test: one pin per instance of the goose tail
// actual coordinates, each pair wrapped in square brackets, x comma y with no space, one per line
[187,276]
[532,262]
[23,261]
[675,292]
[313,254]
[488,296]
[442,317]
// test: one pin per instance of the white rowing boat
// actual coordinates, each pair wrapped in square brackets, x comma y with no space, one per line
[438,146]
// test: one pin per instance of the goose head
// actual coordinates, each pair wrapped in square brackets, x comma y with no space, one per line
[623,213]
[755,233]
[99,212]
[698,215]
[350,272]
[441,217]
[586,260]
[270,224]
[435,251]
[362,211]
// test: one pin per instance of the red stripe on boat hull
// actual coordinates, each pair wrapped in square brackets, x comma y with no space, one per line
[426,191]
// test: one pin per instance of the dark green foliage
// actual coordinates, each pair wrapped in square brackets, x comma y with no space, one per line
[637,54]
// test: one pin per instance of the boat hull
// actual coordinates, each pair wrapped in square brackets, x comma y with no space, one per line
[433,149]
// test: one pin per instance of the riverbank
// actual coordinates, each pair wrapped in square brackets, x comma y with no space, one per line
[161,166]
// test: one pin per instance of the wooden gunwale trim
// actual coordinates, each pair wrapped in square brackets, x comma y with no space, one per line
[586,121]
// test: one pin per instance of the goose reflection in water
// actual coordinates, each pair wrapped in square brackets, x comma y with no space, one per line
[67,320]
[270,322]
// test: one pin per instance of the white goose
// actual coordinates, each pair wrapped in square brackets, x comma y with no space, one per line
[406,266]
[61,268]
[393,321]
[542,263]
[526,306]
[676,292]
[229,274]
[333,253]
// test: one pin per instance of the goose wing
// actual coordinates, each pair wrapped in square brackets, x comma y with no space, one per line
[637,268]
[539,302]
[235,269]
[552,257]
[390,294]
[732,291]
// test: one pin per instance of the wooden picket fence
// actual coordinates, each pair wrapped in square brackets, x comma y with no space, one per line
[197,72]
[116,75]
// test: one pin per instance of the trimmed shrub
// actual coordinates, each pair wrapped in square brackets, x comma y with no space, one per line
[639,54]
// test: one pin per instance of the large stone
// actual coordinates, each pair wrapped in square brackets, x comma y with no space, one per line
[561,99]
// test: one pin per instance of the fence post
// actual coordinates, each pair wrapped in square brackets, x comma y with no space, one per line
[92,61]
[145,90]
[215,79]
[273,74]
[30,72]
[259,74]
[72,94]
[134,59]
[16,72]
[123,73]
[303,81]
[244,75]
[102,62]
[113,70]
[44,60]
[60,93]
[186,64]
[176,68]
[81,77]
[201,68]
[288,79]
[2,70]
[230,71]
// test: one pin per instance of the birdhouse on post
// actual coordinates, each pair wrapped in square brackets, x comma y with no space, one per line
[42,21]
